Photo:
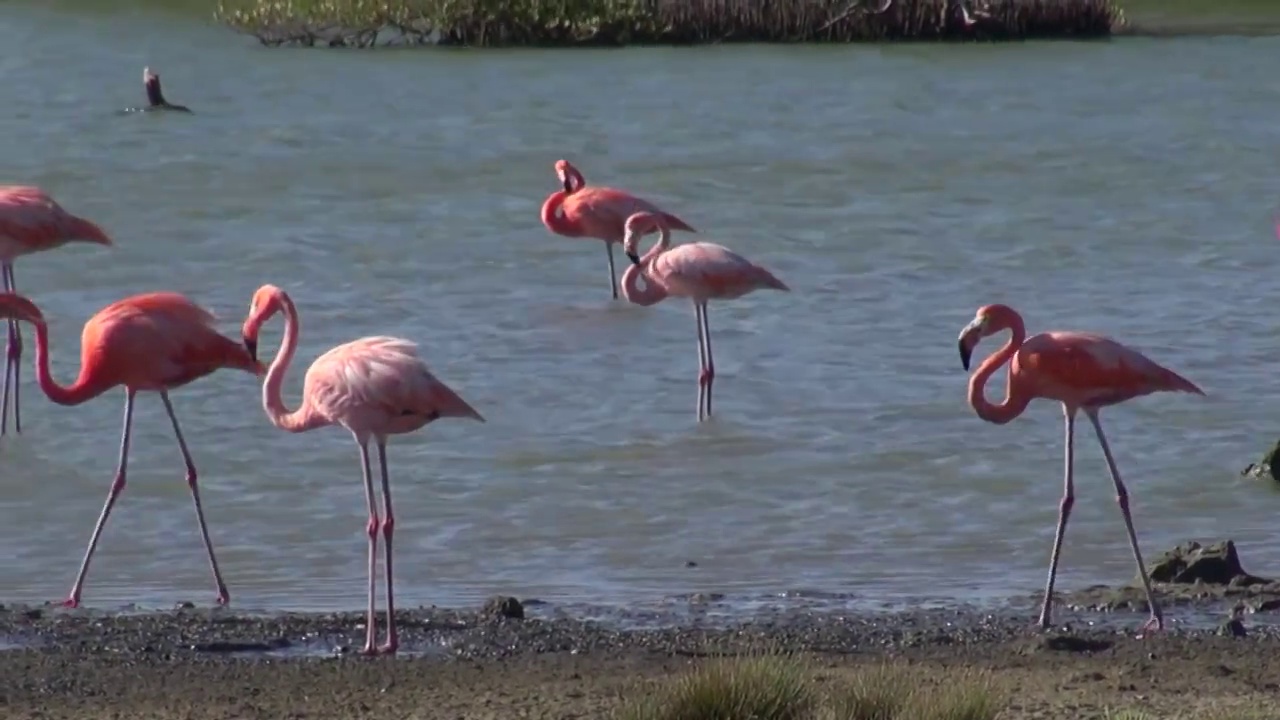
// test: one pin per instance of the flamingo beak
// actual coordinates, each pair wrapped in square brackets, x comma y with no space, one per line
[969,338]
[251,345]
[568,186]
[635,259]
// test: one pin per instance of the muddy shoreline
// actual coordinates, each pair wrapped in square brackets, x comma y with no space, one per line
[200,663]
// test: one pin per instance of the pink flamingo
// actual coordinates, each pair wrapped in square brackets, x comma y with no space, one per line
[700,271]
[580,210]
[152,342]
[30,221]
[1083,371]
[374,387]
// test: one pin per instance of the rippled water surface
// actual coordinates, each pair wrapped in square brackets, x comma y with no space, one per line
[1126,187]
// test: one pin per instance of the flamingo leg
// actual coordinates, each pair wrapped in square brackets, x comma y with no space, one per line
[223,596]
[702,362]
[1156,622]
[388,529]
[613,276]
[710,367]
[117,486]
[1064,512]
[371,625]
[13,361]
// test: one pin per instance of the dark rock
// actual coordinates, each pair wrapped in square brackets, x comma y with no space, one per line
[1264,469]
[1216,564]
[1232,627]
[501,607]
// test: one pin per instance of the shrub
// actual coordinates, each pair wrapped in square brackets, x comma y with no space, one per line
[561,23]
[764,687]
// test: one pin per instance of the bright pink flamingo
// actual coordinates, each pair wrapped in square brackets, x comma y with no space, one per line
[580,210]
[30,221]
[700,271]
[1082,371]
[152,342]
[374,387]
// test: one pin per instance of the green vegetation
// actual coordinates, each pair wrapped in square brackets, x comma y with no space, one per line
[776,687]
[563,23]
[784,687]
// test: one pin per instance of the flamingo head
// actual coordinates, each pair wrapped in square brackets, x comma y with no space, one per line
[13,305]
[989,320]
[570,178]
[638,225]
[267,301]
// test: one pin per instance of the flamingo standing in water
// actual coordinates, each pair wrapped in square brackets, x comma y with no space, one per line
[152,342]
[580,210]
[30,221]
[1082,371]
[700,271]
[374,387]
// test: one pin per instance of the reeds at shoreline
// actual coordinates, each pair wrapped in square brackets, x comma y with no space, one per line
[568,23]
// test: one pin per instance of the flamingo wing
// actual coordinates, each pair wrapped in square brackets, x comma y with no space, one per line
[31,220]
[608,209]
[370,382]
[704,269]
[1095,368]
[158,341]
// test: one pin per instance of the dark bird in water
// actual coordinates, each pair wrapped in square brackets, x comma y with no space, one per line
[155,97]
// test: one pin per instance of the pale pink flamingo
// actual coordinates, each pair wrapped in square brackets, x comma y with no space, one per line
[152,342]
[700,271]
[374,387]
[30,221]
[1083,371]
[581,210]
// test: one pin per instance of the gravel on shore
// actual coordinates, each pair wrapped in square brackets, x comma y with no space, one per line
[204,664]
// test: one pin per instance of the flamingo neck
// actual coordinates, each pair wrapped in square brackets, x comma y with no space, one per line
[574,178]
[652,292]
[303,418]
[1014,401]
[86,387]
[554,219]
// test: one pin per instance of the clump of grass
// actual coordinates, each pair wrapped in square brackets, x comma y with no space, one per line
[781,687]
[763,687]
[1233,715]
[889,693]
[562,23]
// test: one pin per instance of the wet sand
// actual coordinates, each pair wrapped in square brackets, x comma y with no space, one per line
[202,664]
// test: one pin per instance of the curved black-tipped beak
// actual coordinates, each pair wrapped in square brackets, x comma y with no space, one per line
[568,186]
[252,346]
[635,259]
[965,353]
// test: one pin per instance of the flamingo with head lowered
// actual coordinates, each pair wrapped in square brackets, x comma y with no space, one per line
[700,271]
[591,211]
[154,342]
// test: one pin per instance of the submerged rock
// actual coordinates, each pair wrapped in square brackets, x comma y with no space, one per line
[1265,468]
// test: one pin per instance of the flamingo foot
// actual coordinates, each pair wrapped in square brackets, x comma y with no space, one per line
[224,597]
[1155,624]
[369,650]
[71,602]
[389,648]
